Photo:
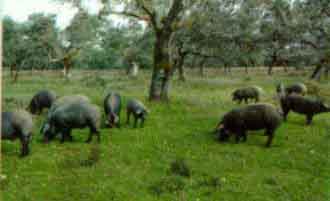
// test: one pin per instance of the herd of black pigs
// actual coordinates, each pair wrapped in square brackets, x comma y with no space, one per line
[77,112]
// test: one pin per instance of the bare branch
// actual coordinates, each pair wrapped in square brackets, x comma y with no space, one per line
[151,14]
[130,14]
[174,12]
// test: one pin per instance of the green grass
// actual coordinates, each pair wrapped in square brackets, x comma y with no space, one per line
[137,164]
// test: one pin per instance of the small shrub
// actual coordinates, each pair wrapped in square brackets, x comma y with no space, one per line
[92,81]
[313,88]
[214,182]
[93,158]
[168,185]
[180,167]
[270,181]
[247,79]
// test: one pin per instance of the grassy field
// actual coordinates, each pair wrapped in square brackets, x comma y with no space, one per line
[175,156]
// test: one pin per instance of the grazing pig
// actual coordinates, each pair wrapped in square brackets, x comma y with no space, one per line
[69,116]
[17,124]
[246,93]
[302,105]
[138,110]
[43,99]
[251,117]
[70,99]
[298,88]
[112,108]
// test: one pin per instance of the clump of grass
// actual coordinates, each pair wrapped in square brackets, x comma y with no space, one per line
[169,184]
[3,181]
[210,181]
[271,181]
[247,78]
[92,81]
[180,167]
[93,158]
[327,133]
[313,88]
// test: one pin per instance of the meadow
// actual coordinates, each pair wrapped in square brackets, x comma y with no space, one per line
[175,156]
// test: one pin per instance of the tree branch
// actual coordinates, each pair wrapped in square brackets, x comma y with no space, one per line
[130,14]
[310,43]
[175,10]
[151,14]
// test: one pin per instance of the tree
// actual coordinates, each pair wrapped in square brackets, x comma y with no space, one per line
[24,44]
[81,35]
[313,22]
[276,32]
[163,17]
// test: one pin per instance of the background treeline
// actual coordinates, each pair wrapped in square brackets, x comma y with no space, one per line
[215,33]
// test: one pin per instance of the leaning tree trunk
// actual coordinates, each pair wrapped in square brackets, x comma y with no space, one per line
[317,71]
[159,87]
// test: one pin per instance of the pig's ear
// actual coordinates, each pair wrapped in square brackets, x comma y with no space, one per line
[220,126]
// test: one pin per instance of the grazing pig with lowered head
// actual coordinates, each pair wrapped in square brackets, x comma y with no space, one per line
[138,110]
[17,125]
[251,117]
[70,116]
[62,101]
[302,105]
[297,88]
[247,93]
[43,99]
[112,108]
[70,99]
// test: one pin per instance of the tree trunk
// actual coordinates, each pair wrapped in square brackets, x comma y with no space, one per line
[272,63]
[317,71]
[270,69]
[159,87]
[326,72]
[285,65]
[67,66]
[165,87]
[181,73]
[14,73]
[12,70]
[201,68]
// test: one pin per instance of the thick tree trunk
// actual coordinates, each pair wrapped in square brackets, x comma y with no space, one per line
[154,93]
[159,87]
[165,87]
